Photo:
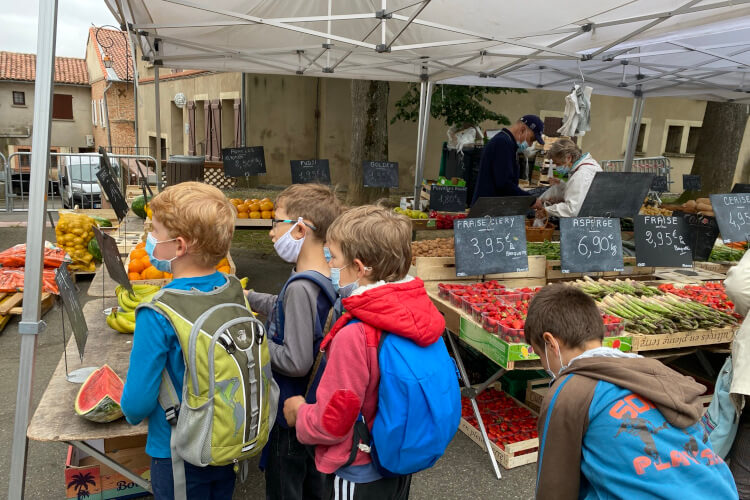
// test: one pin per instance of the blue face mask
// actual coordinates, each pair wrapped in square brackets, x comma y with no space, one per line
[164,266]
[563,170]
[522,146]
[327,254]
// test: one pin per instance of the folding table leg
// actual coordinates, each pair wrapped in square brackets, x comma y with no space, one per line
[467,384]
[83,446]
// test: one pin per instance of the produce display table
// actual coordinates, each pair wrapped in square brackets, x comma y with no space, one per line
[256,224]
[55,418]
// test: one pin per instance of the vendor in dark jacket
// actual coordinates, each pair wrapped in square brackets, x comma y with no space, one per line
[498,168]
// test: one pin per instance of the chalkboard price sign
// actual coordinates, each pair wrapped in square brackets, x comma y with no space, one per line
[660,184]
[590,244]
[741,188]
[733,215]
[72,307]
[112,188]
[490,245]
[448,198]
[243,162]
[691,182]
[662,241]
[380,174]
[111,258]
[307,171]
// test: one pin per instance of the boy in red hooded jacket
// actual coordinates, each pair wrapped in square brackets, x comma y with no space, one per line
[369,246]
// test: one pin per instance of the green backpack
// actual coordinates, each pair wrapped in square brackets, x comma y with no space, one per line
[229,397]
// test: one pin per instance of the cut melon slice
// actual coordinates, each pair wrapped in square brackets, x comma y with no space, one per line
[98,399]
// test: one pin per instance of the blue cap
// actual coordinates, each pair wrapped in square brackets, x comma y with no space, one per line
[536,125]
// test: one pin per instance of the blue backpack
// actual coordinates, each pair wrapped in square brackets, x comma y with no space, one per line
[419,407]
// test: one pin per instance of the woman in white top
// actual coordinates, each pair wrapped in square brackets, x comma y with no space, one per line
[564,199]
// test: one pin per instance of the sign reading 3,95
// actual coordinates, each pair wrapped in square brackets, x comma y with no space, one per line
[590,244]
[489,245]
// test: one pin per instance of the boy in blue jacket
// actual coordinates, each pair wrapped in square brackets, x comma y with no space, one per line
[615,425]
[193,224]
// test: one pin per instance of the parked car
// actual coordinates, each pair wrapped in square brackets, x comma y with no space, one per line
[78,183]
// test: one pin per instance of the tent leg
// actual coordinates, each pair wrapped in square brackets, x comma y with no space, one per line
[30,324]
[157,111]
[425,102]
[635,128]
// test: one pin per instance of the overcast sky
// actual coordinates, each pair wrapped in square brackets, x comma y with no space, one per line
[74,17]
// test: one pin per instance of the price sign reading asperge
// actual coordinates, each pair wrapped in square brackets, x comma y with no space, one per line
[733,215]
[490,245]
[661,241]
[590,244]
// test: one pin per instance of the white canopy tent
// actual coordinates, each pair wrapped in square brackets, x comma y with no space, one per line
[698,48]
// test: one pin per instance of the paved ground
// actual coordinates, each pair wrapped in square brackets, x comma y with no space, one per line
[463,473]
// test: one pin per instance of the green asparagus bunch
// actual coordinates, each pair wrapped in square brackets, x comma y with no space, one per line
[602,288]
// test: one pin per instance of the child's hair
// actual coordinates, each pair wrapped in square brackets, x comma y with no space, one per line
[201,214]
[379,237]
[316,203]
[567,313]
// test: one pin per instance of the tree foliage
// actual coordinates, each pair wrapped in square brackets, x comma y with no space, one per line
[458,105]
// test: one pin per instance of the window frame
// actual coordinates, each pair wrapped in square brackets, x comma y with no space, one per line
[68,107]
[23,98]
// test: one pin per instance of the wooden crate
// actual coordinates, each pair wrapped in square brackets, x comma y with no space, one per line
[443,269]
[715,267]
[11,304]
[631,269]
[536,389]
[162,282]
[105,213]
[688,276]
[641,343]
[509,457]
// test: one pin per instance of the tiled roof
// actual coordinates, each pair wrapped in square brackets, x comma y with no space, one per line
[16,66]
[172,76]
[116,45]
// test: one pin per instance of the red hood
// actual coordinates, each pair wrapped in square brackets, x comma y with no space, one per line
[404,309]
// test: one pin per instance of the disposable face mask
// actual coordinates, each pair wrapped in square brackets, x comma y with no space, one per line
[336,277]
[164,266]
[327,254]
[563,170]
[287,247]
[522,146]
[550,372]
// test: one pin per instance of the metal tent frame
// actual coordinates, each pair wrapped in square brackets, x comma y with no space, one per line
[640,48]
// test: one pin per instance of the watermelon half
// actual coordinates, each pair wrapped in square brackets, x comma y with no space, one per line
[98,399]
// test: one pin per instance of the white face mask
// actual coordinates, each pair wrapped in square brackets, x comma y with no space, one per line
[287,247]
[550,372]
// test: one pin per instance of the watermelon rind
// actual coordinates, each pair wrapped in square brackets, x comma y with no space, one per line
[107,407]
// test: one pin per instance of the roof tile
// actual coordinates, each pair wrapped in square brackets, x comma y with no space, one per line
[17,66]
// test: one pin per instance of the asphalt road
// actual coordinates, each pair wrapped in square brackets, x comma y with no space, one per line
[463,473]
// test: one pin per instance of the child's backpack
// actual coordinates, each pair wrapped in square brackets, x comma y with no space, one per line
[419,407]
[229,398]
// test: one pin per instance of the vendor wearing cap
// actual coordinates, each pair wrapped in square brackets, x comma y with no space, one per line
[498,168]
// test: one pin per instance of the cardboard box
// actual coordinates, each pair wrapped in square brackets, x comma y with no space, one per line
[492,346]
[86,477]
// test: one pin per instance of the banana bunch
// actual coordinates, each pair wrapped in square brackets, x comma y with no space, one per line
[122,319]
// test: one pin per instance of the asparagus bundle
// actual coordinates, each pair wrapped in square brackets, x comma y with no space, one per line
[602,288]
[663,314]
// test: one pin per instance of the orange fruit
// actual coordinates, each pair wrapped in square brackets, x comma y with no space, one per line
[151,273]
[168,276]
[266,214]
[222,262]
[266,206]
[235,201]
[146,261]
[242,215]
[224,269]
[135,266]
[134,276]
[141,244]
[254,207]
[138,253]
[249,201]
[265,199]
[255,215]
[243,207]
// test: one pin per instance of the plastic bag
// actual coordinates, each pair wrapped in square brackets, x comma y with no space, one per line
[11,280]
[15,256]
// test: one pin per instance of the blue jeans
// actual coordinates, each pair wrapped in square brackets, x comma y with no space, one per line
[203,483]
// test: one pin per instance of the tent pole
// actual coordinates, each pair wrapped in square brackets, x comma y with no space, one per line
[243,111]
[635,128]
[425,103]
[157,111]
[31,325]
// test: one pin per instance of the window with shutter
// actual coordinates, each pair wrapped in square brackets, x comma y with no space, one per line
[191,127]
[62,107]
[674,139]
[215,131]
[207,120]
[19,98]
[103,114]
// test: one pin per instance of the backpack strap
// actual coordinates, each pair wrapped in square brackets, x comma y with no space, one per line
[323,283]
[361,440]
[168,398]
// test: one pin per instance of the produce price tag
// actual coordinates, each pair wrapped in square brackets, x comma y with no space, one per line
[661,241]
[691,182]
[733,215]
[244,162]
[111,258]
[660,184]
[448,198]
[490,245]
[112,189]
[72,307]
[380,174]
[306,171]
[590,244]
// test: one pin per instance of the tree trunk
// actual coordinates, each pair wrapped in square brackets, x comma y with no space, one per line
[369,137]
[718,148]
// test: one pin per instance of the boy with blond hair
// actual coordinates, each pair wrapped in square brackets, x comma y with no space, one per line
[193,224]
[370,248]
[296,321]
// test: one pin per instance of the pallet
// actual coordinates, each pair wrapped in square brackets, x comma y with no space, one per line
[11,305]
[443,269]
[554,271]
[509,457]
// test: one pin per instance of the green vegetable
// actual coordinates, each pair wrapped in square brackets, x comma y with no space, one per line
[723,254]
[101,221]
[549,249]
[94,250]
[139,206]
